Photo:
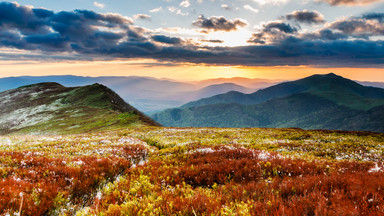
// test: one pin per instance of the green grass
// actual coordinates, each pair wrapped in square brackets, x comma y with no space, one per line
[91,120]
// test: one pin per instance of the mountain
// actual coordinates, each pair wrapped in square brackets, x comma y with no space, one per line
[330,86]
[145,93]
[51,107]
[316,102]
[210,91]
[242,81]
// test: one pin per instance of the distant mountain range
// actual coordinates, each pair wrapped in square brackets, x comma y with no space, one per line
[316,102]
[146,93]
[372,84]
[51,107]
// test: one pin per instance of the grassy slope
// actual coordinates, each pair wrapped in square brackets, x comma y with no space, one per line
[50,107]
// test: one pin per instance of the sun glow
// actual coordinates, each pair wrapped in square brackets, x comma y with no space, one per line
[181,72]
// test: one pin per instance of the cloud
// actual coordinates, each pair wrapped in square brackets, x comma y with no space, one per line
[99,5]
[362,28]
[250,8]
[219,23]
[155,10]
[142,17]
[287,52]
[275,2]
[374,16]
[87,35]
[273,31]
[306,16]
[177,11]
[359,27]
[279,26]
[185,3]
[225,7]
[350,2]
[40,29]
[166,39]
[213,41]
[325,35]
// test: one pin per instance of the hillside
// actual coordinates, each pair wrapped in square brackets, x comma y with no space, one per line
[316,102]
[51,107]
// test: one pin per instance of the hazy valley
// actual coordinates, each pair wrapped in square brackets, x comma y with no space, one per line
[316,102]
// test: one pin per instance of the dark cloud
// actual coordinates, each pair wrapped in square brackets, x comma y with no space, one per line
[325,34]
[306,16]
[53,41]
[359,27]
[166,39]
[87,35]
[41,29]
[374,16]
[24,19]
[219,23]
[213,41]
[280,26]
[273,31]
[291,51]
[350,2]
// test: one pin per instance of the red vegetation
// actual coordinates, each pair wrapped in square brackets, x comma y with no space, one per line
[38,185]
[266,183]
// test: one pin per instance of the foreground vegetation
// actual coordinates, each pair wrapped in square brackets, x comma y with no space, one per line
[193,171]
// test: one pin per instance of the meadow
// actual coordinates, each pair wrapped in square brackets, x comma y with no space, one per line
[193,171]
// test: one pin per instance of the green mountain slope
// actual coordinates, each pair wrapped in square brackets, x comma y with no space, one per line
[342,91]
[316,102]
[51,107]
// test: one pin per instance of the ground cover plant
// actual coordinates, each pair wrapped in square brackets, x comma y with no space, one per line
[193,171]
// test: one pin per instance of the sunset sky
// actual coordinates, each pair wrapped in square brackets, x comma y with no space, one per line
[193,39]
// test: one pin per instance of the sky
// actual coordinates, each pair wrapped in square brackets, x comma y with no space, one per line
[193,39]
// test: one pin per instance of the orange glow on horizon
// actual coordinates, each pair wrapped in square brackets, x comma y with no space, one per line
[185,72]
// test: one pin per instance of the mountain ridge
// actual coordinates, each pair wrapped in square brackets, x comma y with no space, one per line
[50,106]
[316,102]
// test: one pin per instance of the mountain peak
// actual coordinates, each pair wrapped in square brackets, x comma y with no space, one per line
[326,76]
[332,75]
